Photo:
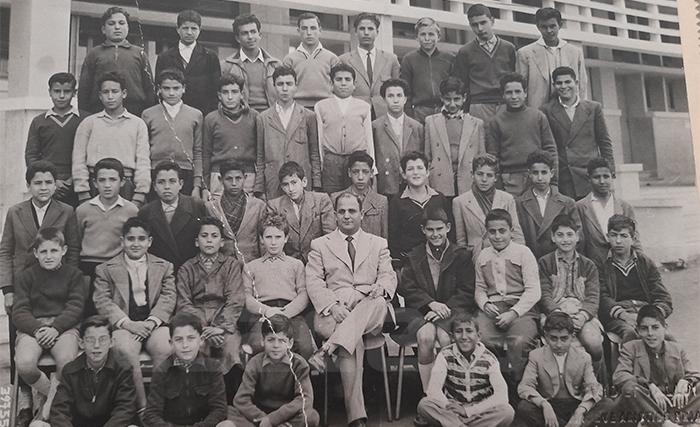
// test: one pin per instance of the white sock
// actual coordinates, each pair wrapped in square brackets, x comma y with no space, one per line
[49,398]
[424,372]
[42,385]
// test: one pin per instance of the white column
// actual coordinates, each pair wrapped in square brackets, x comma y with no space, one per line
[276,43]
[621,18]
[385,40]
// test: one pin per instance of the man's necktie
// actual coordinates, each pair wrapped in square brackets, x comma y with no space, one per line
[369,68]
[351,251]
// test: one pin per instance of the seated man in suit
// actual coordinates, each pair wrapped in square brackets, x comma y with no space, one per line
[349,280]
[174,217]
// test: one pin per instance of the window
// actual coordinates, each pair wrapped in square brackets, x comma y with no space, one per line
[668,10]
[632,4]
[669,25]
[670,39]
[527,18]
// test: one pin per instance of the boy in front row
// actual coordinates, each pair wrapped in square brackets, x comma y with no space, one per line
[187,388]
[466,386]
[276,388]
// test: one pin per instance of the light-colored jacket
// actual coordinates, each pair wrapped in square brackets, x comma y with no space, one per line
[386,66]
[246,238]
[388,151]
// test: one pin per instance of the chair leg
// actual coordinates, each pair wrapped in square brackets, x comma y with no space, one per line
[399,387]
[325,396]
[14,398]
[387,393]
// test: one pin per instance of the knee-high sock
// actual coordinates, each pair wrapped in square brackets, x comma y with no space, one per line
[424,372]
[42,385]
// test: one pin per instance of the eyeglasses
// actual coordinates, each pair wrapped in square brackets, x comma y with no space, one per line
[103,340]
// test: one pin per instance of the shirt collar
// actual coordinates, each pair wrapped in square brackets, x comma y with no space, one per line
[574,105]
[201,258]
[172,109]
[125,114]
[245,57]
[135,262]
[124,43]
[490,42]
[561,44]
[400,120]
[363,52]
[43,209]
[280,109]
[546,195]
[286,359]
[560,257]
[181,46]
[354,236]
[595,199]
[95,201]
[430,252]
[272,258]
[431,192]
[198,361]
[170,206]
[303,49]
[74,110]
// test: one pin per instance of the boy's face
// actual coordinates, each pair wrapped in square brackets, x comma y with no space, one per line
[230,96]
[293,186]
[395,99]
[116,28]
[349,215]
[416,173]
[367,33]
[209,240]
[310,31]
[565,238]
[61,94]
[41,187]
[566,86]
[343,84]
[360,175]
[248,36]
[514,95]
[277,345]
[171,91]
[499,233]
[559,340]
[185,342]
[621,241]
[111,95]
[286,87]
[652,332]
[136,242]
[167,185]
[482,26]
[540,176]
[453,101]
[549,29]
[467,336]
[49,254]
[428,37]
[436,232]
[188,32]
[96,343]
[233,182]
[484,177]
[274,240]
[601,181]
[108,183]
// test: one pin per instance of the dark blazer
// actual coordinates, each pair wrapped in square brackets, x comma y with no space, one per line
[20,231]
[174,242]
[201,75]
[536,228]
[578,141]
[388,151]
[386,66]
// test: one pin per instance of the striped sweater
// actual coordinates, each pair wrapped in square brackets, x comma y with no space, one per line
[468,381]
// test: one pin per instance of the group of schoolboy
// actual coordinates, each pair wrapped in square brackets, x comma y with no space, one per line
[199,224]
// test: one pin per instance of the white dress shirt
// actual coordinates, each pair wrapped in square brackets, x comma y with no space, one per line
[245,57]
[138,272]
[542,200]
[363,56]
[40,212]
[172,110]
[186,51]
[570,109]
[603,212]
[95,201]
[285,115]
[397,126]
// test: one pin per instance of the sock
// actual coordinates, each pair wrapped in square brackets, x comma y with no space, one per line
[42,385]
[424,372]
[49,398]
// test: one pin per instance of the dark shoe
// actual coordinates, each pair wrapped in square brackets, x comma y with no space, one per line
[360,422]
[24,417]
[419,421]
[317,361]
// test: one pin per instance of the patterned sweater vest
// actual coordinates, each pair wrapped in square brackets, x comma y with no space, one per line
[468,382]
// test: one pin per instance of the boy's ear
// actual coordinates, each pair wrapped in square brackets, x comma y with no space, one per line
[64,250]
[81,344]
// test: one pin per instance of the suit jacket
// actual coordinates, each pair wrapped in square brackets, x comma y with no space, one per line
[578,141]
[470,220]
[536,228]
[174,242]
[317,218]
[541,377]
[247,238]
[388,151]
[386,66]
[234,66]
[595,242]
[111,295]
[532,64]
[277,145]
[19,233]
[375,211]
[201,75]
[330,275]
[437,149]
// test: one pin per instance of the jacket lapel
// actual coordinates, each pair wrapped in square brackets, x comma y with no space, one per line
[553,208]
[541,60]
[442,134]
[580,118]
[306,211]
[120,275]
[27,218]
[154,275]
[552,368]
[274,121]
[52,214]
[161,227]
[407,133]
[294,121]
[424,267]
[248,216]
[182,215]
[194,59]
[362,243]
[473,206]
[339,247]
[379,63]
[392,136]
[532,207]
[561,117]
[468,127]
[588,213]
[356,62]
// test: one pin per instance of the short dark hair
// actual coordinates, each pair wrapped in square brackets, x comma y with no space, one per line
[563,71]
[290,168]
[135,222]
[512,78]
[244,19]
[111,76]
[434,214]
[49,234]
[558,321]
[452,84]
[341,66]
[463,317]
[413,155]
[39,166]
[539,156]
[62,78]
[109,163]
[308,15]
[210,220]
[283,70]
[189,15]
[167,165]
[230,79]
[478,9]
[394,83]
[619,222]
[597,162]
[651,311]
[563,220]
[232,165]
[171,74]
[359,156]
[273,219]
[499,215]
[485,160]
[368,16]
[547,13]
[347,195]
[113,11]
[183,319]
[95,321]
[277,324]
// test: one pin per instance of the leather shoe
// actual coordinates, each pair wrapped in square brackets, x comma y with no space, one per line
[360,422]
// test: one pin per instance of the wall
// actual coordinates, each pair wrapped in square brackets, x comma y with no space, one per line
[674,151]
